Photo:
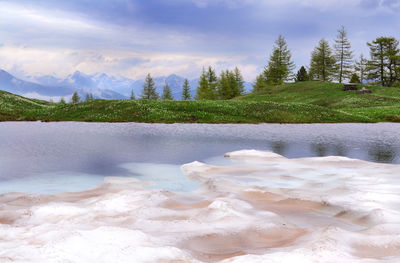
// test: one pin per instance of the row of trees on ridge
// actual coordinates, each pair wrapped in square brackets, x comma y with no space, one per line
[228,85]
[335,64]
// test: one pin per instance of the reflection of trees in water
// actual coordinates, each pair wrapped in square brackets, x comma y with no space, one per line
[279,147]
[322,149]
[319,149]
[340,150]
[382,153]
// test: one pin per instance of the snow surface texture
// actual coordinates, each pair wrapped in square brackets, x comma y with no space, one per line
[272,209]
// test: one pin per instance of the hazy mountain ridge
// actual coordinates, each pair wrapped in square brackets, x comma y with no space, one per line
[101,85]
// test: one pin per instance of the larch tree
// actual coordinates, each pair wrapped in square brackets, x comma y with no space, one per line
[260,83]
[224,86]
[240,82]
[167,94]
[361,68]
[89,97]
[207,89]
[322,62]
[280,66]
[230,84]
[302,74]
[149,90]
[343,56]
[385,60]
[75,97]
[186,90]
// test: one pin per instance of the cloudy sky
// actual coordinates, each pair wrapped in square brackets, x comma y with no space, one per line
[133,37]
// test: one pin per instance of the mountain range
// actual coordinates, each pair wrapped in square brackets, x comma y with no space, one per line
[101,85]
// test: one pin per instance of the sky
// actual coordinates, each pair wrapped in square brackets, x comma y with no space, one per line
[131,38]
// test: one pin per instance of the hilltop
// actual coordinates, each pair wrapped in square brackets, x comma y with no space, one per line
[302,102]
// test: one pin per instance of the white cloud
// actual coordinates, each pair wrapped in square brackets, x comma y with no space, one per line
[61,62]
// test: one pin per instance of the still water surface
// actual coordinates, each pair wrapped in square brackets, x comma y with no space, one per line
[40,157]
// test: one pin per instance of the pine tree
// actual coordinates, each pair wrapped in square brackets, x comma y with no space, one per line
[260,83]
[132,97]
[149,91]
[89,96]
[75,97]
[212,83]
[167,95]
[280,66]
[302,74]
[361,67]
[343,56]
[62,101]
[186,90]
[322,62]
[207,89]
[230,84]
[223,87]
[240,83]
[385,60]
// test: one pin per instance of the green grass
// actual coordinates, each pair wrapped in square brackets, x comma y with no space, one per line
[305,102]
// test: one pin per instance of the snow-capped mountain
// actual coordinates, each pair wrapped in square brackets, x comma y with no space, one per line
[26,88]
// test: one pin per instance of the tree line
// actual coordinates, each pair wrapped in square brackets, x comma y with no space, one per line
[228,85]
[335,64]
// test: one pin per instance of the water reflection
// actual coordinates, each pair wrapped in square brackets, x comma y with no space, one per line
[98,149]
[319,149]
[340,150]
[382,153]
[279,147]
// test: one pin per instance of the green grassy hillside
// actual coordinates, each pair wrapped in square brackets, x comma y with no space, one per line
[14,107]
[383,104]
[304,102]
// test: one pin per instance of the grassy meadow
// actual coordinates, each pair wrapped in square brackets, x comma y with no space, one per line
[301,102]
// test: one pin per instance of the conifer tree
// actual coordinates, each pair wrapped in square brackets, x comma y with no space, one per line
[186,90]
[62,101]
[212,83]
[385,58]
[224,86]
[201,91]
[280,66]
[89,96]
[260,83]
[240,82]
[149,90]
[322,62]
[230,84]
[75,97]
[207,85]
[361,67]
[343,56]
[167,95]
[132,97]
[302,74]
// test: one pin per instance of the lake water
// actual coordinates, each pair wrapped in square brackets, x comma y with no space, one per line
[40,157]
[283,202]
